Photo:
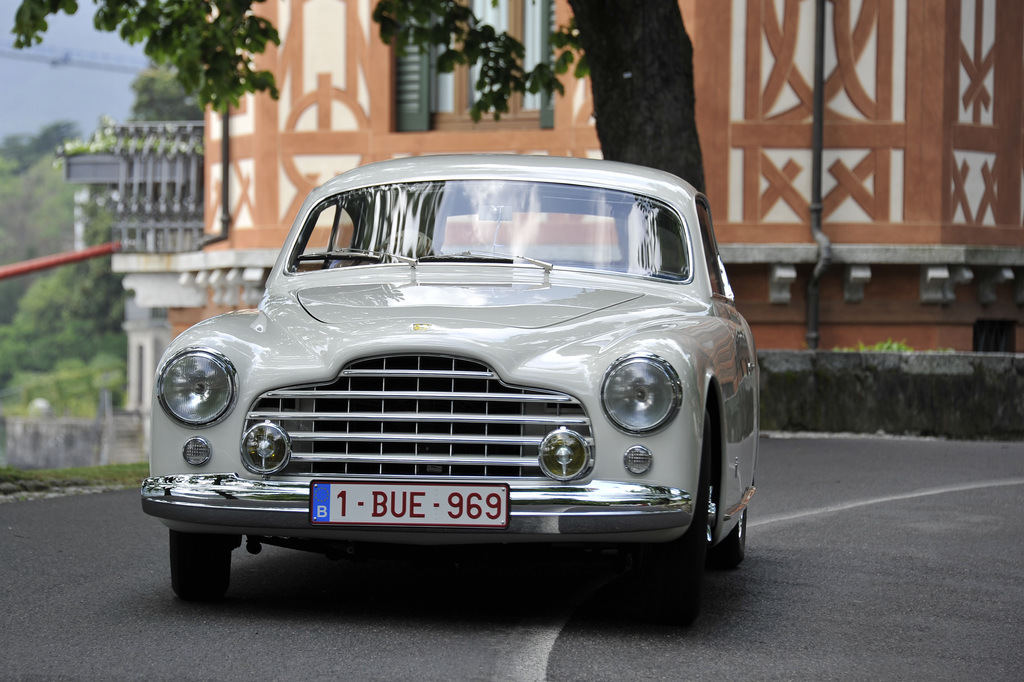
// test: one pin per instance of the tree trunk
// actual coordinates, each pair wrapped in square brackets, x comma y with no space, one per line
[641,72]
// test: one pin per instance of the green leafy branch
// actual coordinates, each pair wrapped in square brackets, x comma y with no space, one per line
[211,44]
[462,39]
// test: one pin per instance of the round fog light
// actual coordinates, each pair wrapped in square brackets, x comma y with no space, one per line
[196,451]
[637,460]
[266,448]
[564,455]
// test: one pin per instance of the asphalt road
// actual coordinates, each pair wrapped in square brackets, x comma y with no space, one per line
[867,559]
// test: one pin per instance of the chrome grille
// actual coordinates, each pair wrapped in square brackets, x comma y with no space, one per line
[417,415]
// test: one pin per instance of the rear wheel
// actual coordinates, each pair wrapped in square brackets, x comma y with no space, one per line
[201,564]
[673,572]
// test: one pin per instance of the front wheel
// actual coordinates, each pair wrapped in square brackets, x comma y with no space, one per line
[673,572]
[730,551]
[201,564]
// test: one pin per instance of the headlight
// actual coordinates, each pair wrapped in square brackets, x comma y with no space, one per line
[196,387]
[266,449]
[641,393]
[564,455]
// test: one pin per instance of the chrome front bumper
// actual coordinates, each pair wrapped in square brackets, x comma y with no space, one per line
[226,503]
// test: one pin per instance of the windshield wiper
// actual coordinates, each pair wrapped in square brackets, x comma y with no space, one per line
[341,254]
[356,255]
[478,257]
[465,257]
[539,263]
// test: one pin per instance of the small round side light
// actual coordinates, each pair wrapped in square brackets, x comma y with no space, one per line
[637,460]
[196,451]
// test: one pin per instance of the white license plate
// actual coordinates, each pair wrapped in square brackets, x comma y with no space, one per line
[445,505]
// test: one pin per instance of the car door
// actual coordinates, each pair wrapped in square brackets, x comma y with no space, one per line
[739,375]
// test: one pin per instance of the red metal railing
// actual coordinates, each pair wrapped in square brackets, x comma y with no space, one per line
[57,259]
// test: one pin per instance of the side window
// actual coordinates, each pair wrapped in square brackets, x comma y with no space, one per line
[322,229]
[428,100]
[329,229]
[672,245]
[716,268]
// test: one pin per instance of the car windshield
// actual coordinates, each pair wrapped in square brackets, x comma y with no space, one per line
[466,220]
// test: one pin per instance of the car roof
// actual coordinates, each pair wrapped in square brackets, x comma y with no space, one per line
[536,168]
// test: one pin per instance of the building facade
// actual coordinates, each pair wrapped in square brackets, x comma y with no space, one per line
[923,157]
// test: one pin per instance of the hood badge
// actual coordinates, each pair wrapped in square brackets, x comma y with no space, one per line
[422,327]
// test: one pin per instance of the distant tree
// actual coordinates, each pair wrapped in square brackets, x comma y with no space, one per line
[72,387]
[160,96]
[25,150]
[36,212]
[75,311]
[36,219]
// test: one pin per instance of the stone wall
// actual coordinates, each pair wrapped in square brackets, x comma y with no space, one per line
[975,396]
[61,442]
[52,443]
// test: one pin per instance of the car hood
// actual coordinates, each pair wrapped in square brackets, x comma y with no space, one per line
[543,332]
[518,305]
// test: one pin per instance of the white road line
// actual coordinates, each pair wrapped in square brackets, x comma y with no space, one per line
[525,656]
[944,490]
[526,660]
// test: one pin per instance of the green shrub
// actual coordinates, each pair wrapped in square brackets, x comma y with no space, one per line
[73,388]
[887,346]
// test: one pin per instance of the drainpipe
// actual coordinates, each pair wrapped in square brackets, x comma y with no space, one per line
[824,244]
[225,181]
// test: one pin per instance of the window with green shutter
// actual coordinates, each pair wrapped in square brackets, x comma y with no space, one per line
[412,94]
[427,100]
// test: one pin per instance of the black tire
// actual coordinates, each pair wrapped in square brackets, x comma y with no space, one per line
[673,572]
[730,551]
[201,564]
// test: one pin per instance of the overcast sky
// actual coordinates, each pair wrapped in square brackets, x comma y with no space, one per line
[96,81]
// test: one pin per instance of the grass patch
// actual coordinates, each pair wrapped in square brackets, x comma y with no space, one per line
[125,475]
[887,346]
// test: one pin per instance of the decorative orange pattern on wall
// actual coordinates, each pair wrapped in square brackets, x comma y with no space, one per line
[984,184]
[777,87]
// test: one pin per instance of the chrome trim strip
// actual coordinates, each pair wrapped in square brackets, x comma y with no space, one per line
[225,500]
[444,460]
[419,373]
[340,436]
[444,418]
[422,395]
[742,504]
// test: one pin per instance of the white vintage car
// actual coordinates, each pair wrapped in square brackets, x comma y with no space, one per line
[470,350]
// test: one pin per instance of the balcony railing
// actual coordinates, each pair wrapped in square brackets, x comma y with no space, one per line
[154,175]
